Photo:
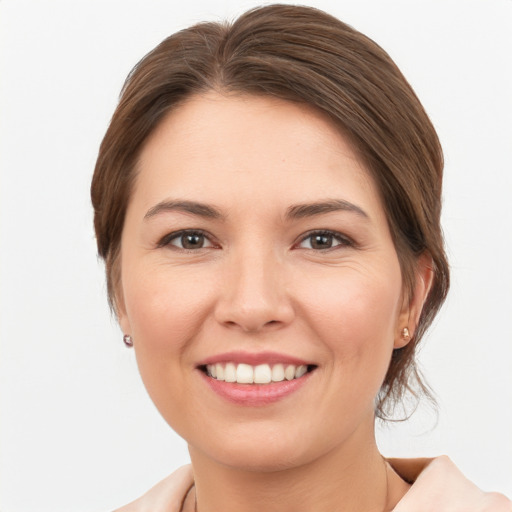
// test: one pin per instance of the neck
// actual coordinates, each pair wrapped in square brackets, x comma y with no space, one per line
[352,477]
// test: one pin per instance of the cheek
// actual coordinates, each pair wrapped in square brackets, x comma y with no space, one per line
[355,314]
[166,311]
[165,308]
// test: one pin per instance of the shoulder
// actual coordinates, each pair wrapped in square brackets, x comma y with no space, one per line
[168,495]
[439,485]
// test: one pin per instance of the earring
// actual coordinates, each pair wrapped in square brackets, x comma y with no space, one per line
[128,340]
[405,334]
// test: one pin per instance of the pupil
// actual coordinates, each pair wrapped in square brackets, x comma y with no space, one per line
[192,241]
[322,242]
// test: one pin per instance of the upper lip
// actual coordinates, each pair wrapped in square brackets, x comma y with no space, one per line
[254,359]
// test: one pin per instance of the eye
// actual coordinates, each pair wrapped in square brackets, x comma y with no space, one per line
[188,240]
[323,240]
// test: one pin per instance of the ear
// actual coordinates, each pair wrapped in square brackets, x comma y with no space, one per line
[123,321]
[120,309]
[413,304]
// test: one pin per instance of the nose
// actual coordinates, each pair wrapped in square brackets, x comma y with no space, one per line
[254,296]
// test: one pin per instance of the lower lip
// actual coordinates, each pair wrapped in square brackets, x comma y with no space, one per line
[255,394]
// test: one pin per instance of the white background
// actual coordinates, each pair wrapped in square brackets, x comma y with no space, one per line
[77,430]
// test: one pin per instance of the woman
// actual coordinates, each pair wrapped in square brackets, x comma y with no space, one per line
[267,201]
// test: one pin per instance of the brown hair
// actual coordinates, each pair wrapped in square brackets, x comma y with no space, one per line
[305,55]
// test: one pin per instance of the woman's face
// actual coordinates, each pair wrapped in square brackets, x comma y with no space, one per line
[256,246]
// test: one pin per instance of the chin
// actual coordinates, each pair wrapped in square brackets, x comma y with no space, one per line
[262,450]
[260,460]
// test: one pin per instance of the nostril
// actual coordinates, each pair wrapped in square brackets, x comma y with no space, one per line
[254,326]
[256,311]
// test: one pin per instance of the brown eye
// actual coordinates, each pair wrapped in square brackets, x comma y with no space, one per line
[186,240]
[192,241]
[324,240]
[321,241]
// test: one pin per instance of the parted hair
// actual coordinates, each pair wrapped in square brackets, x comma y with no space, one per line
[305,55]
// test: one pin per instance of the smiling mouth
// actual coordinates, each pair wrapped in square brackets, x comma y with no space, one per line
[259,374]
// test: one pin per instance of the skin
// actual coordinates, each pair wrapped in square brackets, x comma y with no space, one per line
[259,283]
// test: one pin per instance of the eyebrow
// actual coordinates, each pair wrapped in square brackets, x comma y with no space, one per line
[299,211]
[296,211]
[199,209]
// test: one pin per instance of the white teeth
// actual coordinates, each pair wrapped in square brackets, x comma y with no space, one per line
[289,373]
[244,374]
[230,373]
[277,373]
[300,371]
[261,374]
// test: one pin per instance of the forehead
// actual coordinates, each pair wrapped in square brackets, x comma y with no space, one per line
[248,148]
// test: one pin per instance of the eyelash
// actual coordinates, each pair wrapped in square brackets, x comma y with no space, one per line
[343,240]
[167,239]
